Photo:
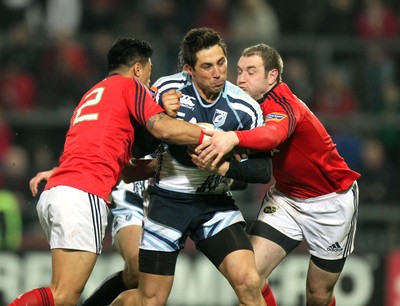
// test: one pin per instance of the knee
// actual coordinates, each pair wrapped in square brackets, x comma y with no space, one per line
[66,295]
[246,281]
[318,297]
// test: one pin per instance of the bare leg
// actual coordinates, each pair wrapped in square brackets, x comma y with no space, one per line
[153,291]
[239,269]
[71,270]
[320,285]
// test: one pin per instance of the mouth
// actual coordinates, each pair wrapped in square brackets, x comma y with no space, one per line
[218,83]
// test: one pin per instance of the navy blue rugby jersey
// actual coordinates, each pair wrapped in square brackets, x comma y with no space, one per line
[232,110]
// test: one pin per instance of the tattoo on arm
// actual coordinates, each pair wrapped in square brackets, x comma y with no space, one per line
[154,119]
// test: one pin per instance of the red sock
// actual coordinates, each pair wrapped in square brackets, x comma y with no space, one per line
[268,296]
[35,297]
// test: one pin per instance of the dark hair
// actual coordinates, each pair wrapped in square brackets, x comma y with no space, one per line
[127,51]
[196,40]
[270,57]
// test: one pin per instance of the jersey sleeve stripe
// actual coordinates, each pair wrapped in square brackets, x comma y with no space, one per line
[140,104]
[288,109]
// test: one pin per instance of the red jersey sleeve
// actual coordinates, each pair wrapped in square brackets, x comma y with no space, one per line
[305,160]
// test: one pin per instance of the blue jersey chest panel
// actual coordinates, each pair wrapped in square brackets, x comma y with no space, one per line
[230,111]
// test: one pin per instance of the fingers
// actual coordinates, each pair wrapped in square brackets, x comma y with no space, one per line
[39,177]
[171,102]
[217,159]
[34,182]
[33,186]
[200,164]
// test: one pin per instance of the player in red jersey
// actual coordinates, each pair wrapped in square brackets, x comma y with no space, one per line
[73,208]
[315,197]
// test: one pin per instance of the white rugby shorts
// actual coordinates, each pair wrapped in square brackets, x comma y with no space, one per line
[327,223]
[73,219]
[127,210]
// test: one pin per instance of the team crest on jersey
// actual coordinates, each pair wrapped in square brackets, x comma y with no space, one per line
[275,117]
[270,209]
[219,118]
[186,102]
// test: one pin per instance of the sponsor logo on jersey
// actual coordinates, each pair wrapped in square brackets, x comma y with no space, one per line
[335,247]
[270,209]
[186,102]
[219,118]
[275,117]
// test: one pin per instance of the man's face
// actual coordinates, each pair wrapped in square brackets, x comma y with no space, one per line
[146,73]
[251,76]
[210,72]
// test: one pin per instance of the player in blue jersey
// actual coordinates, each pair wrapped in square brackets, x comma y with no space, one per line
[188,202]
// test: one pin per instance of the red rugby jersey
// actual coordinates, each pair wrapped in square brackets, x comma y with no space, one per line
[99,140]
[305,161]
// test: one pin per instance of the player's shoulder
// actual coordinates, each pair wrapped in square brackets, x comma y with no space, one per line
[118,83]
[173,81]
[236,94]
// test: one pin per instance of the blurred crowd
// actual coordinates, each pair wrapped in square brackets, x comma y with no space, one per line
[341,58]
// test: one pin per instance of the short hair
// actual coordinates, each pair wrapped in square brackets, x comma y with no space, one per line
[198,39]
[127,51]
[270,57]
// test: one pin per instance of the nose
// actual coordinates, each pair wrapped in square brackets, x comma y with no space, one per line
[216,72]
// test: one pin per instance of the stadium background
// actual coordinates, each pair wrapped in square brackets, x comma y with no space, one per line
[342,58]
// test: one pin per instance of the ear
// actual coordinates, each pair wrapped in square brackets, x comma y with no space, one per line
[272,76]
[188,69]
[137,69]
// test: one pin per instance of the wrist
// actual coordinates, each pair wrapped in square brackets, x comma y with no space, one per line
[238,136]
[201,137]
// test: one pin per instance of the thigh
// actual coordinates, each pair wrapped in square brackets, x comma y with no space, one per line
[319,280]
[70,272]
[281,216]
[127,207]
[127,242]
[231,239]
[155,289]
[268,255]
[166,222]
[239,265]
[329,224]
[73,219]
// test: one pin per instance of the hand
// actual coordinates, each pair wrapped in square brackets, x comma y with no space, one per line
[214,149]
[138,170]
[39,177]
[171,103]
[221,168]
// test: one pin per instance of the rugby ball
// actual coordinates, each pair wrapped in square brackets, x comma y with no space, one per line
[206,125]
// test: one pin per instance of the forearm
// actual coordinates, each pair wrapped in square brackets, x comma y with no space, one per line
[138,170]
[173,131]
[264,138]
[256,169]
